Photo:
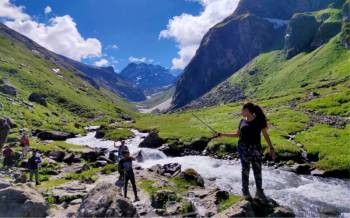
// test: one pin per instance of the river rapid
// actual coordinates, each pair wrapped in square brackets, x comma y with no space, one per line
[308,196]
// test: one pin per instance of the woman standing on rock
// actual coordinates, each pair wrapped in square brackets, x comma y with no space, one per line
[249,146]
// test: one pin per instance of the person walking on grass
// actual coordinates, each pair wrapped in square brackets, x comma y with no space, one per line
[4,131]
[33,166]
[24,143]
[249,131]
[125,165]
[8,157]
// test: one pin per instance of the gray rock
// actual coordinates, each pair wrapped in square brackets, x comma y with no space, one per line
[57,155]
[192,176]
[4,184]
[20,177]
[105,201]
[240,209]
[300,33]
[22,201]
[152,141]
[7,88]
[38,98]
[162,197]
[171,168]
[54,135]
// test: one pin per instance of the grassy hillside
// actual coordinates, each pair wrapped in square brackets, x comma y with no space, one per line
[271,75]
[71,101]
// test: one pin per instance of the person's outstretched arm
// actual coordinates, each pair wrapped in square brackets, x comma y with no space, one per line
[233,135]
[268,140]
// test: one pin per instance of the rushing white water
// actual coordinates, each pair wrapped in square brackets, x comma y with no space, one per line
[308,196]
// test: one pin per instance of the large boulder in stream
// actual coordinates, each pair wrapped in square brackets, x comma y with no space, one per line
[22,201]
[152,141]
[192,176]
[105,201]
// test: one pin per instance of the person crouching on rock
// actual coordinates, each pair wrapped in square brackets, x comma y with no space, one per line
[8,156]
[33,166]
[249,146]
[24,143]
[125,164]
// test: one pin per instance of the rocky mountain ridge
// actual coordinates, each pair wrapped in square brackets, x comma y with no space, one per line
[148,77]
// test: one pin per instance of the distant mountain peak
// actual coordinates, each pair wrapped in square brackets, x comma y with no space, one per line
[148,77]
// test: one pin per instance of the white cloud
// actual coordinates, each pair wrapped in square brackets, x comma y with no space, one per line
[48,10]
[140,60]
[10,11]
[101,63]
[113,46]
[59,35]
[188,30]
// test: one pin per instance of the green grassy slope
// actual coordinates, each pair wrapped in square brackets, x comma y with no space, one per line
[71,101]
[275,76]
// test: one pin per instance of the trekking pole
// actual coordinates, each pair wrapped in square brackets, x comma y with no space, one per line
[205,124]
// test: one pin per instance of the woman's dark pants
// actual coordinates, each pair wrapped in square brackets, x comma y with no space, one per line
[129,176]
[250,154]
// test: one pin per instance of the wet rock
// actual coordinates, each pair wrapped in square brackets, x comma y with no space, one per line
[105,201]
[152,141]
[7,88]
[100,134]
[162,197]
[304,169]
[22,201]
[38,98]
[53,135]
[172,150]
[171,168]
[192,176]
[4,184]
[341,174]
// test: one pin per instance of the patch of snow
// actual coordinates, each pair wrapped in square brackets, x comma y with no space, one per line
[161,107]
[56,70]
[277,23]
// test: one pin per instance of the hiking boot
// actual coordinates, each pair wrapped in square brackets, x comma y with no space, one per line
[137,199]
[260,194]
[247,196]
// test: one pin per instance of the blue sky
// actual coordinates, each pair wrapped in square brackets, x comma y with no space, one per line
[115,32]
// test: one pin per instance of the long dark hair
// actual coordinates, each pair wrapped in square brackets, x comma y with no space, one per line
[258,112]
